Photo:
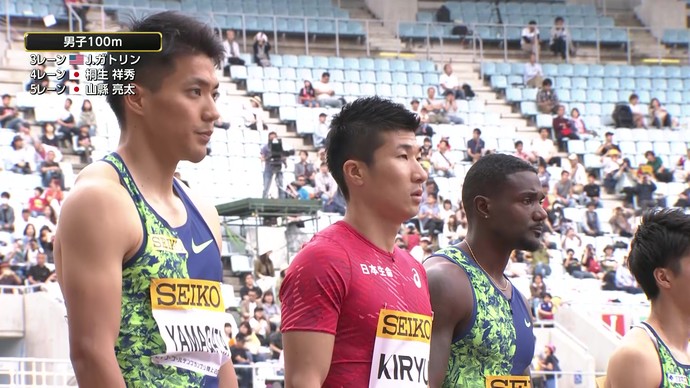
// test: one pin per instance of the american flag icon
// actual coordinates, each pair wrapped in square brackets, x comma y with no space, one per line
[76,59]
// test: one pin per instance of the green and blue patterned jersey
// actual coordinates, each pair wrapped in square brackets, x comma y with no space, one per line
[673,373]
[499,340]
[166,253]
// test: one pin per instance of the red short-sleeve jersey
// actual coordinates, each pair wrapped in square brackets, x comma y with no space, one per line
[338,284]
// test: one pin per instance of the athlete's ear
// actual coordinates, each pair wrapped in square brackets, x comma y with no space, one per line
[482,204]
[135,102]
[354,173]
[663,277]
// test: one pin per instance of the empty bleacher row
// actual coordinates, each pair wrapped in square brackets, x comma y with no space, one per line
[595,89]
[676,37]
[34,9]
[291,17]
[585,25]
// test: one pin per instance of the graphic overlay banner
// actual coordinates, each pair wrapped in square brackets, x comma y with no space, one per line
[131,42]
[508,382]
[191,318]
[401,350]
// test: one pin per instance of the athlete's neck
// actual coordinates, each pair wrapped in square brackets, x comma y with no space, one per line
[671,322]
[492,257]
[379,231]
[151,168]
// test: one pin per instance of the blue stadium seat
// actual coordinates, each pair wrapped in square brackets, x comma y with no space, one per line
[675,84]
[255,85]
[611,83]
[290,61]
[381,64]
[366,64]
[529,108]
[415,78]
[643,84]
[351,64]
[594,95]
[271,73]
[544,121]
[400,78]
[513,95]
[592,109]
[595,83]
[627,83]
[352,76]
[397,65]
[254,72]
[529,94]
[562,83]
[288,73]
[367,89]
[336,63]
[337,75]
[384,77]
[431,79]
[305,61]
[305,74]
[627,71]
[412,66]
[643,71]
[415,91]
[673,97]
[399,90]
[499,82]
[579,82]
[288,99]
[271,100]
[564,95]
[578,95]
[611,71]
[659,84]
[368,76]
[272,85]
[352,89]
[673,72]
[610,96]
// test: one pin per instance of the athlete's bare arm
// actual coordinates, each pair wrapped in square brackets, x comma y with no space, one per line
[98,229]
[227,378]
[635,364]
[307,358]
[451,302]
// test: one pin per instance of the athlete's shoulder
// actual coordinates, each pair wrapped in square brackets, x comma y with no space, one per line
[96,185]
[638,350]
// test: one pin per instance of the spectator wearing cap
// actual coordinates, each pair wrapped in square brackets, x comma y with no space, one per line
[607,145]
[253,115]
[533,76]
[578,172]
[549,362]
[325,94]
[610,165]
[563,127]
[261,48]
[608,260]
[418,251]
[400,242]
[321,130]
[475,146]
[529,41]
[20,158]
[441,162]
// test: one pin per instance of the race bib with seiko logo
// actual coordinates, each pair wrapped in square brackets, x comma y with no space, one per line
[191,319]
[508,382]
[401,350]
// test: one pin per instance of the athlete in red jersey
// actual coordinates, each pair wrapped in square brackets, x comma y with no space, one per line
[355,308]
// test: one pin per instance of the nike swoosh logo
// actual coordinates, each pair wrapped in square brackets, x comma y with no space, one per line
[198,248]
[528,323]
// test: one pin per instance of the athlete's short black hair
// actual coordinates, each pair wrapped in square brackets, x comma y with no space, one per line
[182,35]
[661,240]
[488,176]
[355,133]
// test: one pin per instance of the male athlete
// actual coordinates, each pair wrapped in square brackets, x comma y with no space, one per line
[355,308]
[482,330]
[137,254]
[656,353]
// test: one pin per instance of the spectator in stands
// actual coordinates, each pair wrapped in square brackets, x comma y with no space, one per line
[9,115]
[50,170]
[475,146]
[430,216]
[299,189]
[241,356]
[579,124]
[529,42]
[625,281]
[273,167]
[411,236]
[39,273]
[46,240]
[592,191]
[683,198]
[32,251]
[645,192]
[54,194]
[327,190]
[24,130]
[449,84]
[537,291]
[261,49]
[321,130]
[260,325]
[533,76]
[232,52]
[591,226]
[453,232]
[40,75]
[253,115]
[522,154]
[427,146]
[544,148]
[608,260]
[540,260]
[543,174]
[48,218]
[6,214]
[8,277]
[607,145]
[305,168]
[88,116]
[545,310]
[251,302]
[563,190]
[67,125]
[560,38]
[29,233]
[434,107]
[659,172]
[424,128]
[307,95]
[263,268]
[20,158]
[49,137]
[626,181]
[547,99]
[573,267]
[271,309]
[248,286]
[578,172]
[549,363]
[414,107]
[84,148]
[418,251]
[451,108]
[441,162]
[563,127]
[658,115]
[571,240]
[325,94]
[638,111]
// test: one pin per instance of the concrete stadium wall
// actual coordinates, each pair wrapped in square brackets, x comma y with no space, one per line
[46,334]
[600,340]
[12,322]
[662,14]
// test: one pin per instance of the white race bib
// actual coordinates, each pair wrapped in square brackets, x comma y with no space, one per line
[191,319]
[401,350]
